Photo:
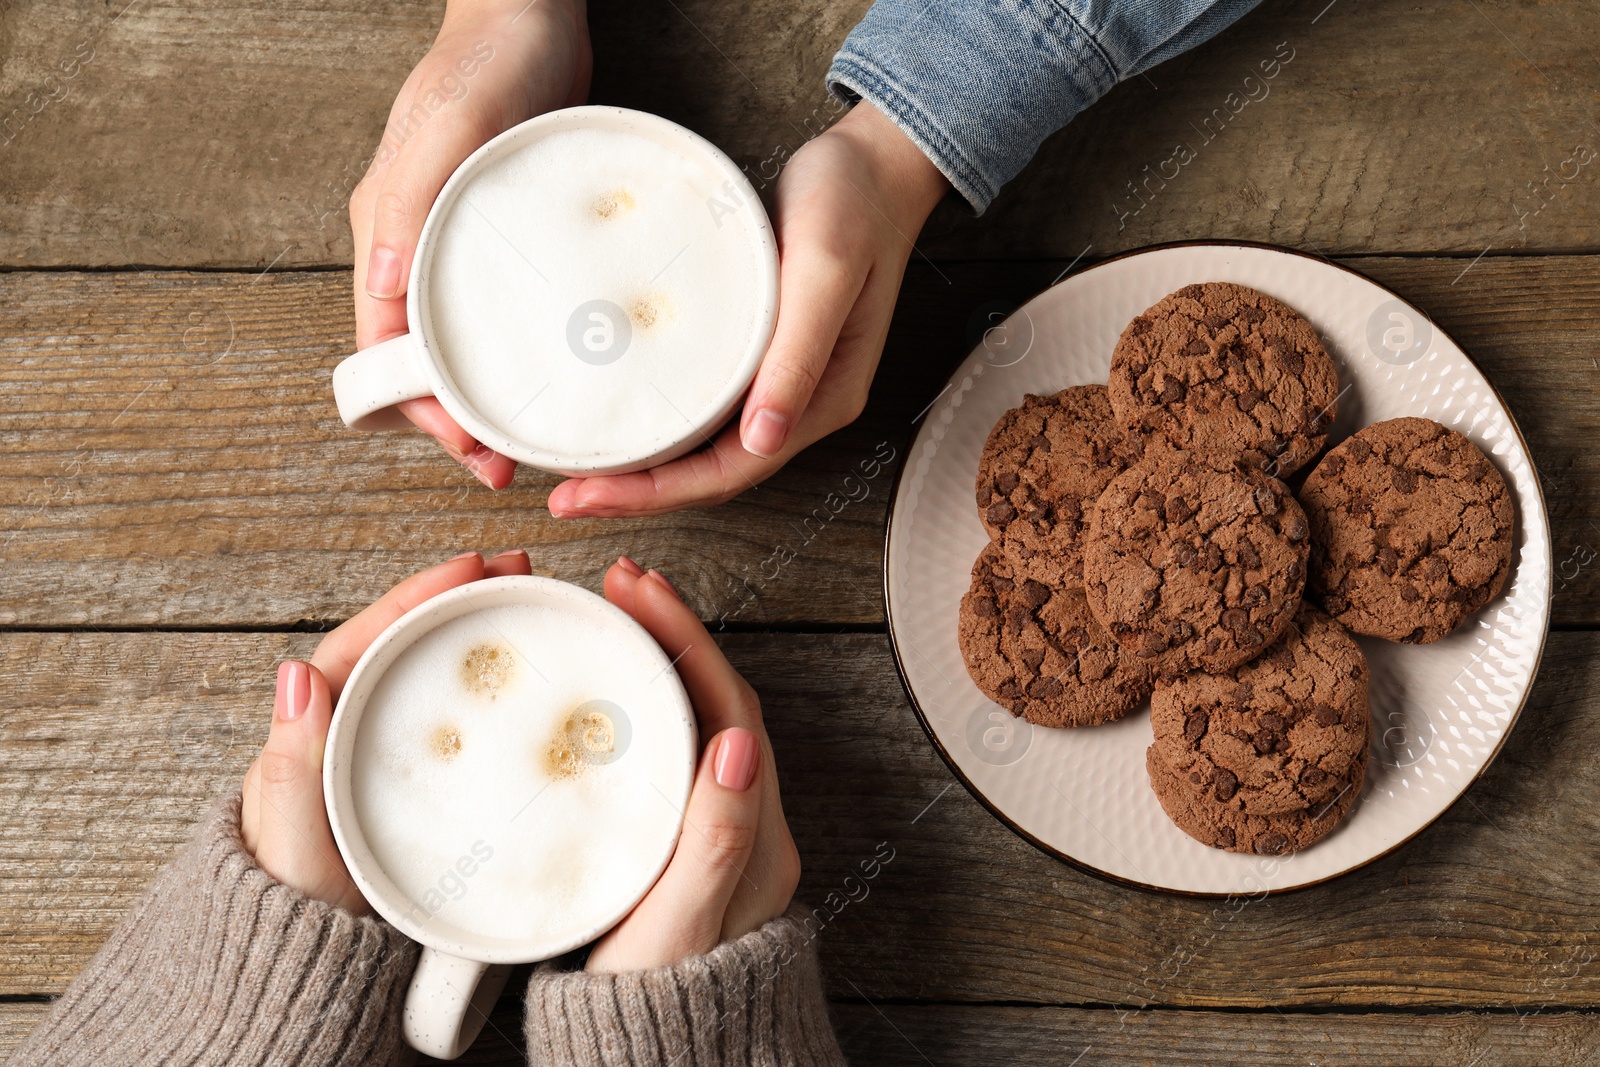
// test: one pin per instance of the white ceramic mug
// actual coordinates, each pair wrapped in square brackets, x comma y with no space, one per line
[368,384]
[460,974]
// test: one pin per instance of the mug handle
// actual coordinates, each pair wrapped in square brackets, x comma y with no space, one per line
[449,1001]
[369,384]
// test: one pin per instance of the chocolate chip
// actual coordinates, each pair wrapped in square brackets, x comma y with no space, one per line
[1184,554]
[1266,500]
[1250,637]
[1242,693]
[1359,449]
[1036,512]
[1333,464]
[1034,594]
[1248,556]
[1326,715]
[1249,399]
[1001,513]
[1256,596]
[1044,687]
[1178,632]
[1250,314]
[984,608]
[1235,619]
[1273,722]
[1196,348]
[1335,604]
[1292,359]
[1296,529]
[1409,594]
[1225,836]
[1178,509]
[1040,443]
[1226,784]
[1152,645]
[1293,570]
[1032,657]
[1009,689]
[1314,776]
[1213,556]
[1272,844]
[1388,560]
[1403,480]
[1216,321]
[1007,482]
[1194,726]
[1152,501]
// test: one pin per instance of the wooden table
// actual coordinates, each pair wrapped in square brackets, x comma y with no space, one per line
[179,507]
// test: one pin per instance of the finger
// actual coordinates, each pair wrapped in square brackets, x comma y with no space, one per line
[295,844]
[720,695]
[709,476]
[816,292]
[487,465]
[682,915]
[336,656]
[513,561]
[620,579]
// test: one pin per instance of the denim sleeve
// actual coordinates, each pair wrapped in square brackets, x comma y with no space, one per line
[979,84]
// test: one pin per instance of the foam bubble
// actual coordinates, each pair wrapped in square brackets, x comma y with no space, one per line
[487,668]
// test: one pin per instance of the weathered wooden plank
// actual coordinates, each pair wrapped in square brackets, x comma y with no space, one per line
[113,742]
[135,133]
[173,457]
[963,1034]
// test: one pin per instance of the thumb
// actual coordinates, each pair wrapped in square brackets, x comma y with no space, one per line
[682,915]
[815,294]
[294,842]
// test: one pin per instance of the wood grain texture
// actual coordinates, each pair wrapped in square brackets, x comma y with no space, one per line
[113,744]
[136,133]
[963,1034]
[173,457]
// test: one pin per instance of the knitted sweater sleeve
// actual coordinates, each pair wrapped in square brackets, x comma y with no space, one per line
[220,963]
[754,1002]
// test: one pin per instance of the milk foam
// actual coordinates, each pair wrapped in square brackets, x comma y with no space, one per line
[585,215]
[458,797]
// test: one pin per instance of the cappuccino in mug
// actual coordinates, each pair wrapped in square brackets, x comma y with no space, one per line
[506,776]
[593,292]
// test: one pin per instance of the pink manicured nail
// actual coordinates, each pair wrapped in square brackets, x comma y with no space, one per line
[736,760]
[511,552]
[766,434]
[662,578]
[630,566]
[463,555]
[294,689]
[383,274]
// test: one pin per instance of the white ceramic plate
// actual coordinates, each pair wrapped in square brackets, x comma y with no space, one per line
[1440,711]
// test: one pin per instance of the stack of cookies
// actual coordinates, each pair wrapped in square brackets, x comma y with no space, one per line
[1143,545]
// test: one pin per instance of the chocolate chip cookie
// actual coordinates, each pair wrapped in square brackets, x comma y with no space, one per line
[1278,734]
[1226,828]
[1221,368]
[1043,465]
[1039,652]
[1193,565]
[1411,529]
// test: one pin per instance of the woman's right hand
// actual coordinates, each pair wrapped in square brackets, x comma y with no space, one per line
[735,866]
[494,64]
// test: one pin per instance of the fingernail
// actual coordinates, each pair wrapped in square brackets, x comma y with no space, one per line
[511,552]
[475,461]
[463,555]
[383,274]
[662,578]
[630,566]
[294,689]
[736,760]
[766,434]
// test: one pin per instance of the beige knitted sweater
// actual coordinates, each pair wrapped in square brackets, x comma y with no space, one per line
[220,964]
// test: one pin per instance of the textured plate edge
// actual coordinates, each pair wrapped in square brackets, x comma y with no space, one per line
[1071,861]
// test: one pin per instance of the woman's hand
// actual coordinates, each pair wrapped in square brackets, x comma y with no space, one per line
[849,206]
[494,64]
[285,822]
[735,866]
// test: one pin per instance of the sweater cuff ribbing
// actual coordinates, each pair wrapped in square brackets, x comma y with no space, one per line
[754,1002]
[220,963]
